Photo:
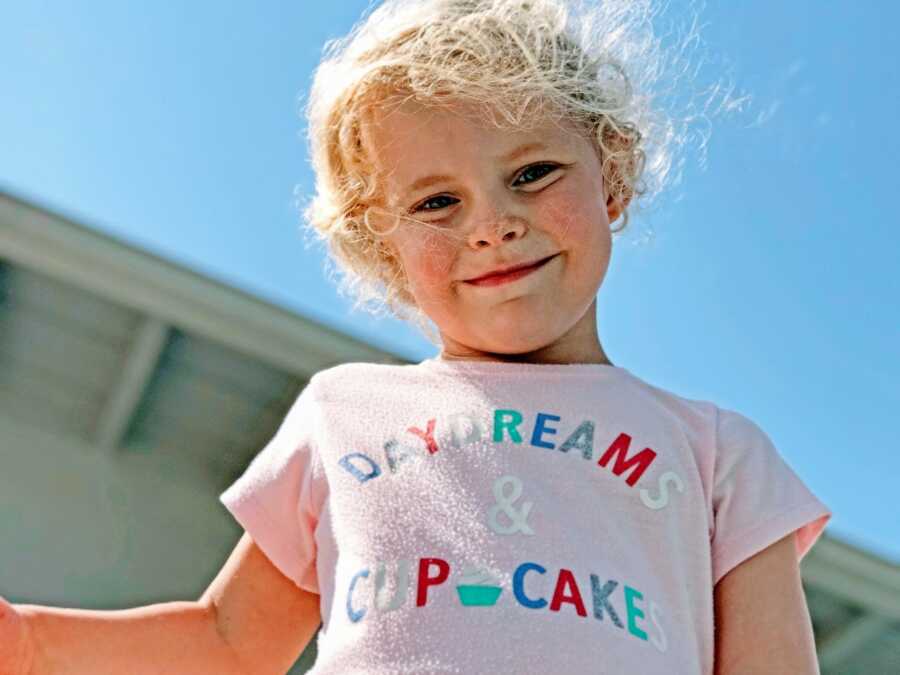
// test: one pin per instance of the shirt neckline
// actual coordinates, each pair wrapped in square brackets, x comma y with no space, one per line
[513,367]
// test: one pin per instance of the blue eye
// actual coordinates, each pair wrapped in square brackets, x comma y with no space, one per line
[542,170]
[424,206]
[534,173]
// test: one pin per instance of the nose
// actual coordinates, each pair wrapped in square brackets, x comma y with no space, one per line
[494,227]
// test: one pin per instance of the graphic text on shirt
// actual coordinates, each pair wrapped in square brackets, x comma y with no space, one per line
[508,515]
[475,589]
[464,428]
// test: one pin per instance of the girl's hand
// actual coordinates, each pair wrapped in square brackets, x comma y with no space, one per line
[17,648]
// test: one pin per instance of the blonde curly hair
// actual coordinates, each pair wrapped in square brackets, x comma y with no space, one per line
[509,59]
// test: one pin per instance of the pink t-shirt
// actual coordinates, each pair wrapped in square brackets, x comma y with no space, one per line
[487,517]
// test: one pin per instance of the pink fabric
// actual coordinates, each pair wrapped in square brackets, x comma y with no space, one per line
[472,517]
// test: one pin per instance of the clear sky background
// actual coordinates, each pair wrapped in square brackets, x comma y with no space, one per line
[770,286]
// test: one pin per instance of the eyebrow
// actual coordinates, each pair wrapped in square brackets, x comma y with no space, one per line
[428,181]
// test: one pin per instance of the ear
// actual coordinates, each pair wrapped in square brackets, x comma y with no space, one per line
[614,208]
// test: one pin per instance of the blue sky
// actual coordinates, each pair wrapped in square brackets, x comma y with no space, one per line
[770,286]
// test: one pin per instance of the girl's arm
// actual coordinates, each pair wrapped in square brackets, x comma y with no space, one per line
[170,637]
[762,621]
[260,613]
[251,619]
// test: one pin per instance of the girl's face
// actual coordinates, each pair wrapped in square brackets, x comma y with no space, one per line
[494,199]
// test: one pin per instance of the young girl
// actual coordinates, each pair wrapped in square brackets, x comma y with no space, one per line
[517,503]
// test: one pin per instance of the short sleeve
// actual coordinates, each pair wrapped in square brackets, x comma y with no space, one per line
[757,498]
[278,498]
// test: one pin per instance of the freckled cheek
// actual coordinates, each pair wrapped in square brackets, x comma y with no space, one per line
[575,219]
[430,260]
[569,220]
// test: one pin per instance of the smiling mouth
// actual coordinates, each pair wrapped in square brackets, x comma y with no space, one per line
[503,278]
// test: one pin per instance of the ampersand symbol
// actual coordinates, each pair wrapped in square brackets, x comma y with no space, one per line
[518,519]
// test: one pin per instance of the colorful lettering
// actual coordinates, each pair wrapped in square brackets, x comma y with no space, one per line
[460,435]
[601,599]
[355,615]
[397,454]
[663,499]
[401,587]
[427,436]
[357,473]
[619,448]
[515,419]
[540,429]
[659,642]
[566,579]
[519,585]
[630,595]
[424,581]
[581,439]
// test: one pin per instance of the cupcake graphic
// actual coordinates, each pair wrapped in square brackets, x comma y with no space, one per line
[478,587]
